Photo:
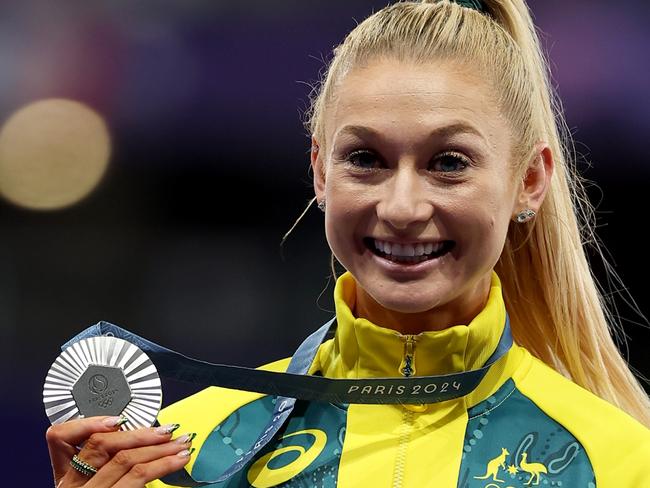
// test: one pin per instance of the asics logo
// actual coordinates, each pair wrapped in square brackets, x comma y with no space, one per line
[260,475]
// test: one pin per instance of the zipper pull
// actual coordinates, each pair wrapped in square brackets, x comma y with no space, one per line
[407,367]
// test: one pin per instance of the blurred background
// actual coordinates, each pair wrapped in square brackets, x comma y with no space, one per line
[175,129]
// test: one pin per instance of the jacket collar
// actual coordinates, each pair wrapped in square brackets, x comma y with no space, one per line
[361,349]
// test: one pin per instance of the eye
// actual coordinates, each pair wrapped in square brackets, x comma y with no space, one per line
[449,162]
[363,159]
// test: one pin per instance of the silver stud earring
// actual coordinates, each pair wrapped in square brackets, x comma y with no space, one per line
[321,205]
[525,216]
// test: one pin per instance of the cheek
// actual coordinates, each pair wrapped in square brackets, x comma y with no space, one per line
[484,221]
[496,229]
[347,201]
[345,219]
[496,201]
[342,210]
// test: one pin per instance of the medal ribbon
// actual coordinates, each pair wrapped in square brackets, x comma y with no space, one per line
[296,384]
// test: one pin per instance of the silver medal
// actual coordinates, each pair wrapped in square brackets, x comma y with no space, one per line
[103,376]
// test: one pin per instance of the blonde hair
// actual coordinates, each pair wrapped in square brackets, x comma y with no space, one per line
[556,308]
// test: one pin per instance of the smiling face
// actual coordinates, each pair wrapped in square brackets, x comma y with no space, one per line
[420,190]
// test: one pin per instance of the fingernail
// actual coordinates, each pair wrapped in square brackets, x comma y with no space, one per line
[115,421]
[186,452]
[166,429]
[186,438]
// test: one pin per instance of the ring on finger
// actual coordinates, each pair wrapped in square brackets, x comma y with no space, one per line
[82,466]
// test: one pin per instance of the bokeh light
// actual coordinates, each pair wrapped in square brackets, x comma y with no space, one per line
[53,153]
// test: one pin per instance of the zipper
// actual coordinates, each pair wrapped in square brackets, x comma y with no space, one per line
[402,447]
[406,368]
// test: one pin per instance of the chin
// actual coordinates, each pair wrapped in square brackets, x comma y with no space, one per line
[408,304]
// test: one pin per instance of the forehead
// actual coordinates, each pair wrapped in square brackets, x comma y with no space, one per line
[406,99]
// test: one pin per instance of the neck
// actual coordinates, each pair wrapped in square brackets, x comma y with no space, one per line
[459,311]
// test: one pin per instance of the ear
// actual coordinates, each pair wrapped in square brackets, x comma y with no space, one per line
[318,168]
[536,179]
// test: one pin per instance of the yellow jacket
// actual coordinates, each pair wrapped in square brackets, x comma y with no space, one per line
[524,425]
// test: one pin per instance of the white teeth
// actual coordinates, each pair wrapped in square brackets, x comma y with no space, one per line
[408,250]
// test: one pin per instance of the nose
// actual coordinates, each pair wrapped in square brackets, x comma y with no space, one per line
[403,202]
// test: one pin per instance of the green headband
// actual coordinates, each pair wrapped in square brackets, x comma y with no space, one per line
[473,4]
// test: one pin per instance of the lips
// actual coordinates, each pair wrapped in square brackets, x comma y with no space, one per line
[409,252]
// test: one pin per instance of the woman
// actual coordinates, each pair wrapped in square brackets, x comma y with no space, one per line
[448,198]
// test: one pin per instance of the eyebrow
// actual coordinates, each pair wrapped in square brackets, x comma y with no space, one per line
[444,131]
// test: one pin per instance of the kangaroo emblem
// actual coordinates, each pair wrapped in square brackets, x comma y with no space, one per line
[493,466]
[534,469]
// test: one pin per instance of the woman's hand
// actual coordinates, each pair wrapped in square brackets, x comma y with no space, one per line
[123,459]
